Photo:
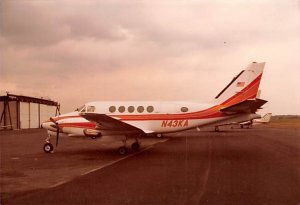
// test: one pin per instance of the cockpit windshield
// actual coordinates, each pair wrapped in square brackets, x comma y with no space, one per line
[80,108]
[85,108]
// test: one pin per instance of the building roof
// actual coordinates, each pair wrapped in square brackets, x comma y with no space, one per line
[21,98]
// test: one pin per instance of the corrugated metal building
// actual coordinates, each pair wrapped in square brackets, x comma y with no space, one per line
[22,112]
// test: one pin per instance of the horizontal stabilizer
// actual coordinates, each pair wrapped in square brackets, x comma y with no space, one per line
[247,106]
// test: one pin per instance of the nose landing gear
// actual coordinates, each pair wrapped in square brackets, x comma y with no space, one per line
[48,147]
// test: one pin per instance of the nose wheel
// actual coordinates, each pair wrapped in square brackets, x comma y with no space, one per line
[48,148]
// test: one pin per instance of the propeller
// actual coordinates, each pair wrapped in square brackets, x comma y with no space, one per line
[57,129]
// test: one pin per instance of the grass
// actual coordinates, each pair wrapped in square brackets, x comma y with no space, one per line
[284,123]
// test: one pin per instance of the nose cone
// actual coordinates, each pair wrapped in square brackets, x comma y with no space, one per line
[48,125]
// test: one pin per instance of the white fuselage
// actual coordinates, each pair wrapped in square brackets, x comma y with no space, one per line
[148,116]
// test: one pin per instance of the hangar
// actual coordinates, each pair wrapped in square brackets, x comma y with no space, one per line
[23,112]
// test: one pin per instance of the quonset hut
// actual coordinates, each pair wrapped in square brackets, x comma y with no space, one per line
[23,112]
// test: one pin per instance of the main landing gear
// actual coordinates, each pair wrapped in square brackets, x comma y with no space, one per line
[135,146]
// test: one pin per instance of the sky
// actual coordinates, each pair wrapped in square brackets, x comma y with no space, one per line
[79,51]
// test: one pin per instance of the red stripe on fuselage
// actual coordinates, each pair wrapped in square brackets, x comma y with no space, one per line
[78,125]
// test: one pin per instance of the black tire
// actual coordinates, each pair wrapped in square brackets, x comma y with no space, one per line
[48,148]
[217,129]
[159,135]
[122,150]
[135,146]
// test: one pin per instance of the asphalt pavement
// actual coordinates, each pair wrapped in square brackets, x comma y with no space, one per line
[249,166]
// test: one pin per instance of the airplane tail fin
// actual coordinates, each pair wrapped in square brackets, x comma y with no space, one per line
[242,87]
[266,118]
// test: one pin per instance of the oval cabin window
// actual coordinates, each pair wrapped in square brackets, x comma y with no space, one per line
[131,109]
[112,109]
[140,109]
[121,109]
[150,109]
[184,109]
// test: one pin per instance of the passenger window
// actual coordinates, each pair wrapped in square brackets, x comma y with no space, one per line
[131,109]
[112,109]
[184,109]
[140,109]
[150,109]
[121,109]
[90,108]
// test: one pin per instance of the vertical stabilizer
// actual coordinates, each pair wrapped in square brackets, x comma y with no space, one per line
[242,87]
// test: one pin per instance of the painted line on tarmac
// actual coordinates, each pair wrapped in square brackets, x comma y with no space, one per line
[196,198]
[108,164]
[118,160]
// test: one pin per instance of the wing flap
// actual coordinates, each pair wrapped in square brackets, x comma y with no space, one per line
[247,106]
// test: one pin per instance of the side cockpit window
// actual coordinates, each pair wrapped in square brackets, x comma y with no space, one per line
[90,109]
[184,109]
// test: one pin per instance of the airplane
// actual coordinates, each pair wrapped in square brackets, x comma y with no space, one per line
[237,102]
[264,120]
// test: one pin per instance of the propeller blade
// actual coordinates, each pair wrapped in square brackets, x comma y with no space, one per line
[57,135]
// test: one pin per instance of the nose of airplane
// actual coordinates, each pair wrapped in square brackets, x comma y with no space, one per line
[49,126]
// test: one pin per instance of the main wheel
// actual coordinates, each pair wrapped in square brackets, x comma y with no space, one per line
[135,146]
[217,129]
[122,150]
[48,147]
[159,135]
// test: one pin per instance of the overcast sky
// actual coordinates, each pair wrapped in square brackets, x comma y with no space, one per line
[80,51]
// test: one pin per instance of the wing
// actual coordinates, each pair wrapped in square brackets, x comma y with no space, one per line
[247,106]
[105,122]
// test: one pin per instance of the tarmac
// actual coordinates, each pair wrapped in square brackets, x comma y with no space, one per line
[233,166]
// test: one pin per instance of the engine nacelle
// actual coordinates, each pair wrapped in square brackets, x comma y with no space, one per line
[92,133]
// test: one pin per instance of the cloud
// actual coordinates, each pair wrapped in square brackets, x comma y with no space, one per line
[78,51]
